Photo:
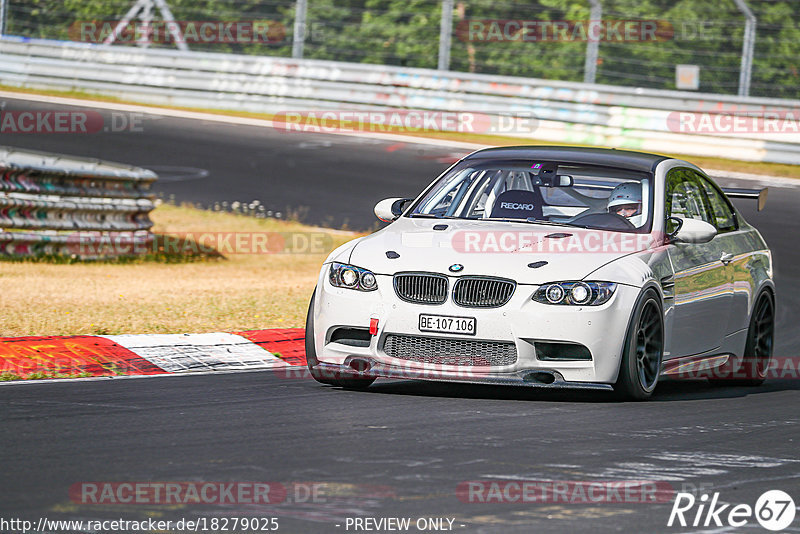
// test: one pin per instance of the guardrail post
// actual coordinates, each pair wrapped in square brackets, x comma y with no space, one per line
[748,47]
[592,45]
[299,37]
[446,35]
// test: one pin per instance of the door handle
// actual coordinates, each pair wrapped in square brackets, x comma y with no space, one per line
[727,257]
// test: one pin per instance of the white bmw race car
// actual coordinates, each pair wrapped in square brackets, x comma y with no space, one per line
[550,267]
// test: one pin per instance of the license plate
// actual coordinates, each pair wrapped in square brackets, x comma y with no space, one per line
[447,324]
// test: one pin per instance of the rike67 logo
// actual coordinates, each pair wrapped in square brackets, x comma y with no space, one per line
[774,510]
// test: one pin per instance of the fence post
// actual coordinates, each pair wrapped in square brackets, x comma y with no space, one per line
[3,15]
[446,35]
[299,37]
[748,48]
[592,45]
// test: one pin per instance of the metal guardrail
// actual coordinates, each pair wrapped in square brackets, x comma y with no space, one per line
[57,205]
[565,112]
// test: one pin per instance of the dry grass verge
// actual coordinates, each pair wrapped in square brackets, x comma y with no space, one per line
[239,292]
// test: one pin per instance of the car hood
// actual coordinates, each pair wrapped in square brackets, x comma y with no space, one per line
[526,253]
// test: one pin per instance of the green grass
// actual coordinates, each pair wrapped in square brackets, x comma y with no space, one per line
[41,375]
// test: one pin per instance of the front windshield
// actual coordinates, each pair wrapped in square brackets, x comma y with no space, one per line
[547,192]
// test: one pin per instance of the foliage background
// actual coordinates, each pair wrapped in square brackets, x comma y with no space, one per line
[406,32]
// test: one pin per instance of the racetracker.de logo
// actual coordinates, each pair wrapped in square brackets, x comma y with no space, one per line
[722,368]
[68,122]
[564,491]
[209,243]
[532,31]
[403,121]
[149,493]
[182,31]
[411,371]
[172,493]
[735,123]
[573,242]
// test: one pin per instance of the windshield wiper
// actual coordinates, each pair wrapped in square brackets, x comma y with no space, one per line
[533,221]
[555,223]
[432,216]
[501,219]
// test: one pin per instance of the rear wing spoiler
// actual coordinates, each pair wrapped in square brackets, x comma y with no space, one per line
[756,194]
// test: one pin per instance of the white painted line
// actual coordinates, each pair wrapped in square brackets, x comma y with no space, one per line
[183,353]
[130,377]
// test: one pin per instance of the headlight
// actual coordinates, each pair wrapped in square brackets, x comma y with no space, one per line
[352,277]
[575,293]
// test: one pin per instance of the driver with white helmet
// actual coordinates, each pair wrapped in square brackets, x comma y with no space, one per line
[626,201]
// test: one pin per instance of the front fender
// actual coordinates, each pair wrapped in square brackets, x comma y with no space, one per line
[636,270]
[342,253]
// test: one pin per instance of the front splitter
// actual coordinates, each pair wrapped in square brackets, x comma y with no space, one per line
[537,378]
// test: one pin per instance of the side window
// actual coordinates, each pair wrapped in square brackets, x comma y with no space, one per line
[685,197]
[723,214]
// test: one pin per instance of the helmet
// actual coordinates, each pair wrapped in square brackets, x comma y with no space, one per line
[627,193]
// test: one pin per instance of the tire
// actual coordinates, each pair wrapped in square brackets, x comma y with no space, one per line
[340,379]
[758,349]
[643,350]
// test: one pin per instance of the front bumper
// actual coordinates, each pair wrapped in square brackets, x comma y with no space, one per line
[521,321]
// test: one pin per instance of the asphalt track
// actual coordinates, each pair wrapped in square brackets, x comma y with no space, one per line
[399,449]
[333,180]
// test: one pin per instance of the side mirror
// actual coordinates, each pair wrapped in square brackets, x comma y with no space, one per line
[689,230]
[390,209]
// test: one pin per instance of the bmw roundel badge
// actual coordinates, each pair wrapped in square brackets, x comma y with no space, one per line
[456,268]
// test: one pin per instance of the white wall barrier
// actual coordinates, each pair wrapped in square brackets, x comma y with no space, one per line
[752,129]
